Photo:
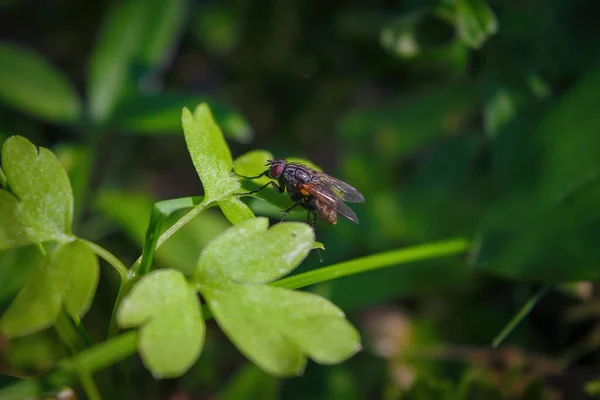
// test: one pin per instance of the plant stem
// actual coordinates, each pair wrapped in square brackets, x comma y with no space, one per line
[88,361]
[523,312]
[388,259]
[156,219]
[108,257]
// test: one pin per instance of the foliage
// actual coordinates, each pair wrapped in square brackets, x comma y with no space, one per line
[468,125]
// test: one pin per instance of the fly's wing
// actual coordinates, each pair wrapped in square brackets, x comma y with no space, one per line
[329,198]
[341,189]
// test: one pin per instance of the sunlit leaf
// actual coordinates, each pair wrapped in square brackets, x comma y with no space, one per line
[167,310]
[15,266]
[235,210]
[31,84]
[209,151]
[67,278]
[277,328]
[39,206]
[250,252]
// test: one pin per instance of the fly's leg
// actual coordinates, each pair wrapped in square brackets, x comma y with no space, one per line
[251,177]
[312,225]
[278,188]
[287,210]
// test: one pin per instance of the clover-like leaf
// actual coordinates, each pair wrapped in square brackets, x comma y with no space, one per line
[277,328]
[39,205]
[66,278]
[209,151]
[249,252]
[172,330]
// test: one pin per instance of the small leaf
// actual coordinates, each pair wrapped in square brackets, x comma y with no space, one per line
[39,206]
[172,330]
[276,328]
[209,151]
[475,21]
[31,84]
[161,114]
[67,277]
[249,252]
[235,210]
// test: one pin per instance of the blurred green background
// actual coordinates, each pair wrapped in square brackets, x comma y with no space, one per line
[455,118]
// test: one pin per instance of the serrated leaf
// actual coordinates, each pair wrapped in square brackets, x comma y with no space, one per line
[210,153]
[235,210]
[31,84]
[277,328]
[475,21]
[39,206]
[161,114]
[251,252]
[67,278]
[167,310]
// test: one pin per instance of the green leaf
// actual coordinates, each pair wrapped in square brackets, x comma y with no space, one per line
[67,278]
[210,153]
[250,252]
[545,227]
[162,27]
[39,206]
[235,210]
[253,163]
[172,330]
[15,266]
[31,84]
[475,21]
[111,61]
[277,328]
[161,114]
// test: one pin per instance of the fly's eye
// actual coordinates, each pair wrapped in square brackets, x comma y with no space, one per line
[276,170]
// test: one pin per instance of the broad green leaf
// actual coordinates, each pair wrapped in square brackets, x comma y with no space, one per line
[31,84]
[210,153]
[277,328]
[251,252]
[161,114]
[235,210]
[15,266]
[39,206]
[167,310]
[112,59]
[67,278]
[545,227]
[475,21]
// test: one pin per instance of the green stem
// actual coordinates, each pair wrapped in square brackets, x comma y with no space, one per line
[177,226]
[152,233]
[108,257]
[523,312]
[90,360]
[416,253]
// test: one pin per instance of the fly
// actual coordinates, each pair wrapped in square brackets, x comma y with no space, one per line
[320,194]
